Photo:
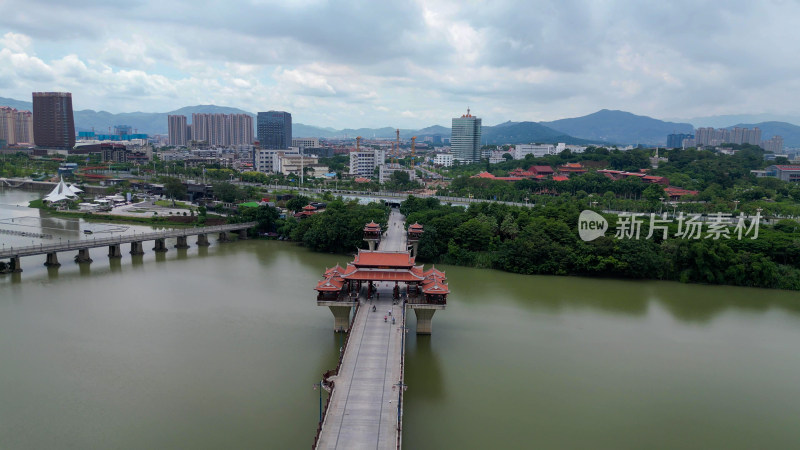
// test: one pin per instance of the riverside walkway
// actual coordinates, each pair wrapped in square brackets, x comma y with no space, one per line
[365,408]
[114,243]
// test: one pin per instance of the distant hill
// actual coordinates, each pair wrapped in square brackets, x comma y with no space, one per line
[789,132]
[17,104]
[727,121]
[525,133]
[619,127]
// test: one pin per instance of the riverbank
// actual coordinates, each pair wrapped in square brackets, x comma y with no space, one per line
[171,220]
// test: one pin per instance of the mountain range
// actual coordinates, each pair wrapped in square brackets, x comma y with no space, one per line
[602,127]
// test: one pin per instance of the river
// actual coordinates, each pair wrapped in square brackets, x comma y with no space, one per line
[219,347]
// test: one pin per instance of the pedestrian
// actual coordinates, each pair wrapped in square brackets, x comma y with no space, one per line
[384,318]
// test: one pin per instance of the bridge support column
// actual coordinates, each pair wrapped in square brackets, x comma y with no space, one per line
[223,236]
[242,234]
[202,240]
[341,318]
[15,264]
[182,242]
[52,260]
[161,246]
[115,251]
[424,320]
[83,256]
[136,248]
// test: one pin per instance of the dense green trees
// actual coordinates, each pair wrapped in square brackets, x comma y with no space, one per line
[544,240]
[338,229]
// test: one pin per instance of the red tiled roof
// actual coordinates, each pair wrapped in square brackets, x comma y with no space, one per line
[484,175]
[383,275]
[540,169]
[678,192]
[333,284]
[372,226]
[383,259]
[560,178]
[415,226]
[789,168]
[362,180]
[309,208]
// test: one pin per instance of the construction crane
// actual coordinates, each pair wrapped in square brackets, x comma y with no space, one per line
[413,150]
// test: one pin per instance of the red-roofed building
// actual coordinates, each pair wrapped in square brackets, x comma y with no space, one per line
[572,168]
[784,172]
[362,180]
[675,194]
[560,178]
[541,170]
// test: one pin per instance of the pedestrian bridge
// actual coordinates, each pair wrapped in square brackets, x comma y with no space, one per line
[114,244]
[365,406]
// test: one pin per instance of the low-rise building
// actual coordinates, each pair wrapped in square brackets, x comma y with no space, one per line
[443,159]
[784,172]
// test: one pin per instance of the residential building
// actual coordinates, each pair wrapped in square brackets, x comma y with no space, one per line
[465,139]
[24,127]
[536,150]
[364,161]
[53,121]
[8,125]
[304,143]
[177,130]
[736,135]
[274,129]
[385,172]
[266,160]
[443,159]
[774,144]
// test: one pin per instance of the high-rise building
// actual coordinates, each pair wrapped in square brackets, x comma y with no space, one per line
[53,122]
[24,132]
[222,129]
[177,130]
[274,129]
[676,140]
[465,140]
[8,125]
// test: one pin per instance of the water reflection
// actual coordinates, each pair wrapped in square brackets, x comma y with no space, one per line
[424,371]
[690,303]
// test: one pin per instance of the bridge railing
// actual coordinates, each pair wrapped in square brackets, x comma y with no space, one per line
[126,239]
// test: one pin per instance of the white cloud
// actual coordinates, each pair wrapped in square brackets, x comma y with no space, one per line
[408,64]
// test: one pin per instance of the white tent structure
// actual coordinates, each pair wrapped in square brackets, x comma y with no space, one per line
[59,193]
[74,189]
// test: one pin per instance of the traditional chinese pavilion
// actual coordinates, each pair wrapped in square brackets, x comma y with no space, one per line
[424,291]
[372,234]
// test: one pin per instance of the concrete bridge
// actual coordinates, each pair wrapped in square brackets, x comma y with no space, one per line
[365,406]
[114,244]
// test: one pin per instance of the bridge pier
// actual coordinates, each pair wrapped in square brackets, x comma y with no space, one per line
[83,256]
[341,318]
[223,236]
[182,242]
[52,260]
[136,248]
[202,240]
[242,234]
[115,251]
[15,264]
[161,246]
[424,320]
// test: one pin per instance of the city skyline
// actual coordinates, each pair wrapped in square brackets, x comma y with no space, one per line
[509,61]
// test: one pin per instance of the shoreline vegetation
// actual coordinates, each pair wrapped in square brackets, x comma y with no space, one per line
[544,240]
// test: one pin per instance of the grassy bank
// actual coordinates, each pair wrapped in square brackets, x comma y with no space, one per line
[173,221]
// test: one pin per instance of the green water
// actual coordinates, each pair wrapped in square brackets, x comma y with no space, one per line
[220,347]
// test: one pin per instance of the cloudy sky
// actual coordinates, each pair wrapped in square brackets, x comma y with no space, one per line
[408,63]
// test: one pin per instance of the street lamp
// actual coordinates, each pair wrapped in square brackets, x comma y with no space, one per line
[735,204]
[662,204]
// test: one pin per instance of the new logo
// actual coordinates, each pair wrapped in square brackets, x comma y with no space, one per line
[591,225]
